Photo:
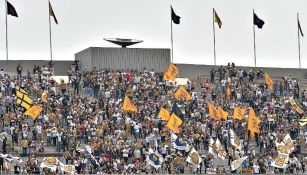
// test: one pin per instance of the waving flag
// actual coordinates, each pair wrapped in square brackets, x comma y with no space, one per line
[182,93]
[173,123]
[237,163]
[228,93]
[281,161]
[295,106]
[213,112]
[51,13]
[269,81]
[299,27]
[34,111]
[238,113]
[194,158]
[11,9]
[179,144]
[217,19]
[128,105]
[175,18]
[302,121]
[258,22]
[286,146]
[253,123]
[219,149]
[164,114]
[154,160]
[221,113]
[234,140]
[171,72]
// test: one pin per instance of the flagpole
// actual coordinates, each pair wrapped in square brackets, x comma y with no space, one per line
[6,35]
[299,42]
[254,39]
[214,38]
[172,54]
[50,40]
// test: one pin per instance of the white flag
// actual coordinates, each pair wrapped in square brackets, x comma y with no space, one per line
[235,141]
[194,158]
[237,163]
[281,161]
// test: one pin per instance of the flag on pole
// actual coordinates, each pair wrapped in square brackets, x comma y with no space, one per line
[34,111]
[258,22]
[51,13]
[213,111]
[173,123]
[221,113]
[182,93]
[194,158]
[237,163]
[269,81]
[217,19]
[128,105]
[299,27]
[11,10]
[175,18]
[281,161]
[234,140]
[164,114]
[171,72]
[238,113]
[253,123]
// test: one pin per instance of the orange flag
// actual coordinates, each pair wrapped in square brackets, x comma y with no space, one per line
[182,93]
[164,114]
[213,112]
[228,93]
[221,113]
[238,113]
[173,123]
[253,123]
[171,72]
[128,105]
[268,81]
[44,97]
[34,111]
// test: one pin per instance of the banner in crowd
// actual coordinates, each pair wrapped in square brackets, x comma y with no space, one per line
[154,160]
[212,111]
[295,106]
[238,113]
[234,140]
[128,105]
[173,123]
[269,81]
[217,149]
[164,114]
[221,113]
[23,99]
[237,163]
[171,73]
[34,111]
[182,93]
[69,169]
[281,161]
[253,123]
[50,163]
[286,146]
[194,158]
[179,144]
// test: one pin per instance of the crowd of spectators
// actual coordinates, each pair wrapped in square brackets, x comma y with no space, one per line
[87,111]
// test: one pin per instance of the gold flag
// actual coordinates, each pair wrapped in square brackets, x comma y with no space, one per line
[182,93]
[173,123]
[34,111]
[171,72]
[238,113]
[253,123]
[128,105]
[164,114]
[213,112]
[221,113]
[295,106]
[269,81]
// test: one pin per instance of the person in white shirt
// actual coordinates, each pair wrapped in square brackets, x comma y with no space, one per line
[256,169]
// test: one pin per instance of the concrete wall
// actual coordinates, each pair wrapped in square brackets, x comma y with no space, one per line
[60,67]
[194,71]
[124,58]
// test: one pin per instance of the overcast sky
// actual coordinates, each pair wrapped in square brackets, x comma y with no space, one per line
[84,23]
